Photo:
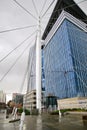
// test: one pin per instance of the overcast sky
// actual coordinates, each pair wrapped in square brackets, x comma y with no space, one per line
[12,16]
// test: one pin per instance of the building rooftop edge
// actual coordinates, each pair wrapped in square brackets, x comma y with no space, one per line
[74,9]
[64,15]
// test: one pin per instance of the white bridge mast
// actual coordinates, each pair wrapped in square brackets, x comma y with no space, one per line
[38,67]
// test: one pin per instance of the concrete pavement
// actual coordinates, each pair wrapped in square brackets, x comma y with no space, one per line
[45,122]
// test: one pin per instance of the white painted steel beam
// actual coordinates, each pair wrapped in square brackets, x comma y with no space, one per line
[38,68]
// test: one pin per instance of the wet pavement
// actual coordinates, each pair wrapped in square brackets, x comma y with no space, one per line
[45,122]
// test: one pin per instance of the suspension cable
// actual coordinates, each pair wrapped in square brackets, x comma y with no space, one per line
[43,6]
[48,8]
[71,5]
[15,62]
[16,29]
[26,71]
[17,47]
[35,7]
[25,74]
[25,9]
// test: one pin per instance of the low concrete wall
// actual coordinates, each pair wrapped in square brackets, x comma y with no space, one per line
[70,103]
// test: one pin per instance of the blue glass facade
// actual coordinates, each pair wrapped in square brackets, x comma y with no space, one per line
[78,45]
[65,62]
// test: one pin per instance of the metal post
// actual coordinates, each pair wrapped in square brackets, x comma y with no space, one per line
[38,68]
[59,111]
[22,121]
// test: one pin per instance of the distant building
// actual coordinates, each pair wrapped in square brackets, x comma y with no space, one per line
[2,100]
[2,97]
[32,69]
[29,100]
[30,97]
[17,98]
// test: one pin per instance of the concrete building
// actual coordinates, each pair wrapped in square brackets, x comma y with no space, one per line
[2,97]
[29,100]
[17,98]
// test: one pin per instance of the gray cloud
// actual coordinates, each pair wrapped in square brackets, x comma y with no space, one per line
[11,16]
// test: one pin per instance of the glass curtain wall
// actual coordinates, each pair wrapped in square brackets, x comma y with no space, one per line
[32,69]
[78,45]
[58,65]
[65,62]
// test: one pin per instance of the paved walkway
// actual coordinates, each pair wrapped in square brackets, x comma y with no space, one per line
[5,125]
[45,122]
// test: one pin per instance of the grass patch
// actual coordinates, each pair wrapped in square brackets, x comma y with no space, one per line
[27,112]
[67,110]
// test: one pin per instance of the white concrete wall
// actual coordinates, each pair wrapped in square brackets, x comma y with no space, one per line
[72,103]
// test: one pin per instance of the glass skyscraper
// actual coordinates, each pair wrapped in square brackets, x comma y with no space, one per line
[32,69]
[65,58]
